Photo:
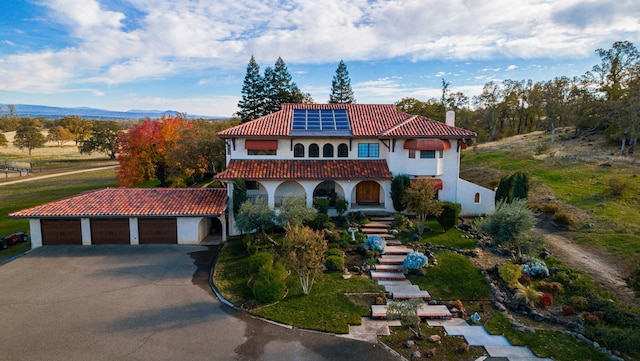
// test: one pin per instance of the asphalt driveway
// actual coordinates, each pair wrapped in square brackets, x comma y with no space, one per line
[147,302]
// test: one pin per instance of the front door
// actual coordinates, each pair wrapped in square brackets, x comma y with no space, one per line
[368,192]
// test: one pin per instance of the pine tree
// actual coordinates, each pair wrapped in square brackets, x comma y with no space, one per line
[341,92]
[252,103]
[279,87]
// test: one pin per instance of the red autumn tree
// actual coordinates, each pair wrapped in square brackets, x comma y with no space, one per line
[144,150]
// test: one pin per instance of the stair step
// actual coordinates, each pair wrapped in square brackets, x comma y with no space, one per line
[393,283]
[424,311]
[397,250]
[368,230]
[381,275]
[391,259]
[377,224]
[391,268]
[384,236]
[402,289]
[393,242]
[405,295]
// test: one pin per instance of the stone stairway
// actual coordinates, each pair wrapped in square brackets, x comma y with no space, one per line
[390,273]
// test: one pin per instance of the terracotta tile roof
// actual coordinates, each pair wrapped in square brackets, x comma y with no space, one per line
[366,120]
[134,202]
[306,169]
[419,126]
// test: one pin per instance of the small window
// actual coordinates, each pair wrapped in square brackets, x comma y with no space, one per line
[262,152]
[427,154]
[298,150]
[368,150]
[314,151]
[412,153]
[343,151]
[476,199]
[327,151]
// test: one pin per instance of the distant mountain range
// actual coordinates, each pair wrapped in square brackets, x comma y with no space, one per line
[35,111]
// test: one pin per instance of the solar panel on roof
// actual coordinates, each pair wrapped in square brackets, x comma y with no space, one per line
[323,119]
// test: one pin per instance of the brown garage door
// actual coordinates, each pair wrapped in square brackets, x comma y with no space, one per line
[110,231]
[158,230]
[61,231]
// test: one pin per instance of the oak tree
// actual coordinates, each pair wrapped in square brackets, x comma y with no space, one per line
[29,136]
[103,138]
[59,135]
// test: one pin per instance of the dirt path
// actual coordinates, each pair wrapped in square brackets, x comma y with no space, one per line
[605,272]
[29,179]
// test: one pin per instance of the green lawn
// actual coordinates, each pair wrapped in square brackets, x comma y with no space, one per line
[584,185]
[438,237]
[454,278]
[544,343]
[19,196]
[326,308]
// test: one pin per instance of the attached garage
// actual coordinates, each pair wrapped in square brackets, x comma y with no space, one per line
[62,231]
[129,216]
[158,230]
[110,231]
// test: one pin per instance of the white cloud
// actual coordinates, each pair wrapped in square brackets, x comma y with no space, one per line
[166,38]
[512,67]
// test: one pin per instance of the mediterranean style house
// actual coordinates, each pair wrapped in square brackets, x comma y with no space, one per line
[350,152]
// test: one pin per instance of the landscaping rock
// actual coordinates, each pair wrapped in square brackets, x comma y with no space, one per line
[433,302]
[416,354]
[416,272]
[415,238]
[434,338]
[409,343]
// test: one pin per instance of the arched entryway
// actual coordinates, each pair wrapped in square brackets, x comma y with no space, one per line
[288,188]
[329,190]
[368,193]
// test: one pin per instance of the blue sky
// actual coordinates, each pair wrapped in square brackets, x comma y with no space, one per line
[191,55]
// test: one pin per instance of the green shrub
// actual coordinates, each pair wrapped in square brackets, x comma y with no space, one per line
[259,260]
[320,222]
[268,291]
[510,273]
[247,242]
[270,285]
[401,222]
[335,263]
[399,185]
[322,205]
[579,303]
[449,216]
[341,206]
[334,252]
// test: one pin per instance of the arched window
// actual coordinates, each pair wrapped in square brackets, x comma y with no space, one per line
[314,151]
[476,199]
[327,151]
[298,150]
[343,151]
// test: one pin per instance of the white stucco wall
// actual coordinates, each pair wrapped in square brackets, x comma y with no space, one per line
[35,232]
[189,230]
[285,148]
[467,194]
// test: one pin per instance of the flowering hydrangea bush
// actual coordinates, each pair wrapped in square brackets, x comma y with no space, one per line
[415,260]
[535,268]
[376,243]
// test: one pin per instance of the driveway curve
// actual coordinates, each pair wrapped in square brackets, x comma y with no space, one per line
[148,302]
